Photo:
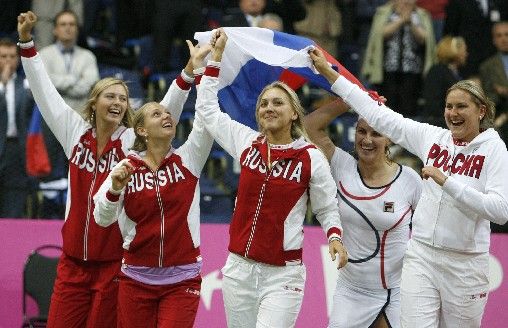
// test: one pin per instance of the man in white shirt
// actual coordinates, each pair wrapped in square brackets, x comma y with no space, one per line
[15,109]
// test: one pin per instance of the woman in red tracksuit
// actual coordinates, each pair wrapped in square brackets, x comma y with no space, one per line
[86,286]
[154,194]
[264,276]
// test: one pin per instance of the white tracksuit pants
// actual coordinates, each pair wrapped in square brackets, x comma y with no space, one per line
[261,295]
[443,288]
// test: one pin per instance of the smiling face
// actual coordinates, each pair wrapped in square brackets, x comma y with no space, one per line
[157,123]
[370,145]
[462,115]
[275,113]
[111,105]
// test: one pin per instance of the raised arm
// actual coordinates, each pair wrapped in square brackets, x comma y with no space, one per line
[64,122]
[234,137]
[317,121]
[196,149]
[409,134]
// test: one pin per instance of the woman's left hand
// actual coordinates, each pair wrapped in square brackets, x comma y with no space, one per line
[335,247]
[435,174]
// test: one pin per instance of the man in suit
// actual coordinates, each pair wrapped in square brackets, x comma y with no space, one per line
[15,109]
[494,77]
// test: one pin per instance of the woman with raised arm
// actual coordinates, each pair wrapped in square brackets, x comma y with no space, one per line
[86,286]
[154,195]
[446,267]
[377,198]
[264,276]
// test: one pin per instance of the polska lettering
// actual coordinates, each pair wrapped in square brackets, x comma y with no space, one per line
[170,173]
[470,165]
[288,170]
[84,158]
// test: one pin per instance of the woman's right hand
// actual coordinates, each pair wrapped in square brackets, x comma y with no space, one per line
[26,23]
[121,175]
[218,42]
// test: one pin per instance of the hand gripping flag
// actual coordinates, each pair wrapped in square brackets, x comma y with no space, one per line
[37,159]
[255,57]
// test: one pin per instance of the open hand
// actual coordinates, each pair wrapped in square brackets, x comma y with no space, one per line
[198,53]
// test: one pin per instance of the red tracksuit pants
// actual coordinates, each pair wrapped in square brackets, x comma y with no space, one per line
[164,306]
[85,294]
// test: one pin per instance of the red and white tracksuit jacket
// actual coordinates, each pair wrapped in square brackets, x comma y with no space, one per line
[267,224]
[158,212]
[454,217]
[82,237]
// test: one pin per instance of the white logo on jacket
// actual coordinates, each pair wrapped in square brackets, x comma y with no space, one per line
[170,173]
[84,159]
[288,169]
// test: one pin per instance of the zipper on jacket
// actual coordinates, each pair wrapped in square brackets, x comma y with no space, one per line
[447,174]
[88,210]
[258,210]
[159,201]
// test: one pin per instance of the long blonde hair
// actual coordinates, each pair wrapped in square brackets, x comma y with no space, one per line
[480,98]
[98,88]
[297,126]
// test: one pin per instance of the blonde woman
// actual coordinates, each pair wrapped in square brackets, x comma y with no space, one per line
[264,276]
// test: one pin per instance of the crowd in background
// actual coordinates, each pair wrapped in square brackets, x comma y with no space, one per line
[409,51]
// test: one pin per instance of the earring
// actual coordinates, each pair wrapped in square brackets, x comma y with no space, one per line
[146,138]
[92,118]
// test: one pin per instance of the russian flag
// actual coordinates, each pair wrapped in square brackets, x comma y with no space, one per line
[37,159]
[255,57]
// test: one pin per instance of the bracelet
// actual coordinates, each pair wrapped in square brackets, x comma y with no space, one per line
[25,44]
[335,238]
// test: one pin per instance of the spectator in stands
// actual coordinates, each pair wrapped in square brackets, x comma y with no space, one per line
[73,71]
[399,51]
[249,14]
[271,22]
[322,24]
[472,20]
[445,275]
[161,278]
[436,8]
[264,276]
[86,285]
[494,75]
[47,10]
[377,198]
[451,54]
[15,110]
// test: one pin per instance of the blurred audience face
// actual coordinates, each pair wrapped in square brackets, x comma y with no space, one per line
[404,5]
[252,7]
[8,58]
[500,36]
[66,28]
[271,24]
